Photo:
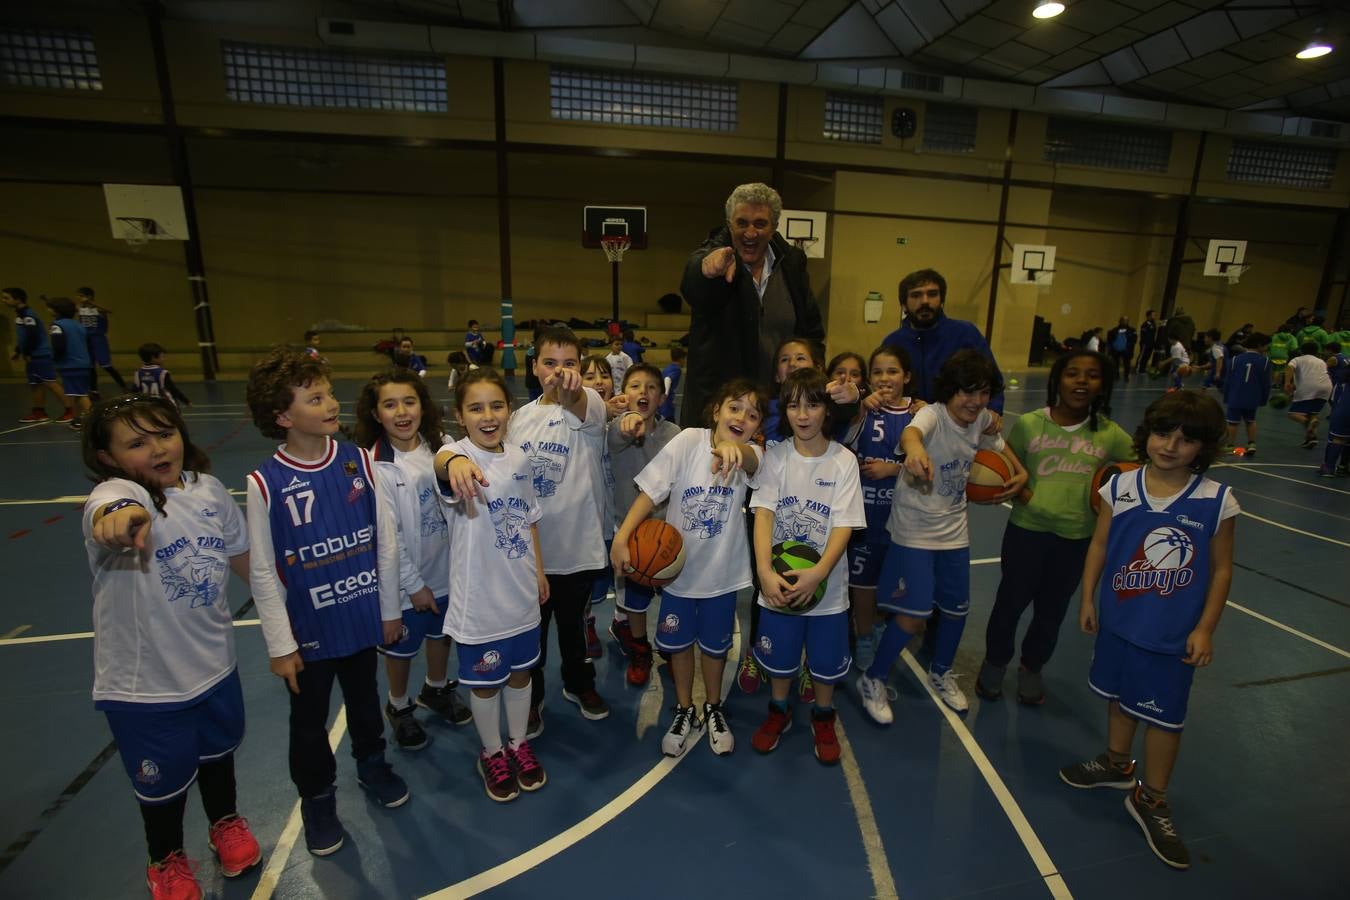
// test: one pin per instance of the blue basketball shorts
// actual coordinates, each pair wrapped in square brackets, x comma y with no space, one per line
[75,382]
[864,563]
[422,626]
[99,351]
[1241,414]
[707,621]
[1309,407]
[161,748]
[1150,686]
[914,581]
[1339,422]
[490,665]
[634,597]
[606,581]
[40,370]
[782,637]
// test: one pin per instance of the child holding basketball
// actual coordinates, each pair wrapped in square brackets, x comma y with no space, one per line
[1163,552]
[399,423]
[161,536]
[808,492]
[874,437]
[1062,446]
[325,575]
[497,580]
[927,564]
[704,472]
[633,440]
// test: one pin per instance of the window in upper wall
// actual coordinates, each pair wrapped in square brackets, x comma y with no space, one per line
[1288,165]
[298,76]
[633,98]
[1104,145]
[852,117]
[948,128]
[49,58]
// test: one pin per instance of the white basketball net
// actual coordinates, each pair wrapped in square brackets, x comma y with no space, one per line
[615,247]
[1234,273]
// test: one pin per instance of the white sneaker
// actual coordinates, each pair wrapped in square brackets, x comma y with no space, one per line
[720,738]
[872,693]
[949,690]
[684,732]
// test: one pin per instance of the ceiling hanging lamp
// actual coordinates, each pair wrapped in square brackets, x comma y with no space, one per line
[1047,9]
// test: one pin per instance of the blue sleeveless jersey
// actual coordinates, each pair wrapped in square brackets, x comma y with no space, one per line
[1340,376]
[878,437]
[149,380]
[322,517]
[1248,381]
[1153,586]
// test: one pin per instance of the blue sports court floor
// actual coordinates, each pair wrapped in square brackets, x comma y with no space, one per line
[934,806]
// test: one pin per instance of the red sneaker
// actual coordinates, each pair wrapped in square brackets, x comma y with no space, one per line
[765,739]
[593,649]
[622,632]
[827,743]
[172,878]
[640,666]
[235,846]
[36,417]
[67,418]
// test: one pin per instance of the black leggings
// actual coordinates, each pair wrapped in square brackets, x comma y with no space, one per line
[1040,570]
[313,768]
[164,821]
[567,599]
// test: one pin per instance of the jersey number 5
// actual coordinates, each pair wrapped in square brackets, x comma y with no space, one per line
[301,505]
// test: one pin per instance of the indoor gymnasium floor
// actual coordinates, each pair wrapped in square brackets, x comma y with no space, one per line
[934,806]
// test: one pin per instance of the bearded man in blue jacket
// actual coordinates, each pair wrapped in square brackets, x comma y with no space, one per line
[930,337]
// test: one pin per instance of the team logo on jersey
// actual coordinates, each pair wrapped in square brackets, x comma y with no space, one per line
[807,521]
[1151,705]
[148,772]
[208,512]
[508,520]
[433,522]
[952,480]
[706,509]
[1161,565]
[192,571]
[1190,523]
[296,484]
[765,645]
[349,467]
[358,488]
[670,623]
[548,461]
[821,482]
[490,661]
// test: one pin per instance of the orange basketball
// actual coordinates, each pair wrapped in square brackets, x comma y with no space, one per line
[656,553]
[1102,476]
[988,477]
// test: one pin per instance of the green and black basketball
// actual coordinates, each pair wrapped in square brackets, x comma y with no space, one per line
[1279,400]
[791,555]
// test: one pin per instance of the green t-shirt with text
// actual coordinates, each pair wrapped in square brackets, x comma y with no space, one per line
[1060,464]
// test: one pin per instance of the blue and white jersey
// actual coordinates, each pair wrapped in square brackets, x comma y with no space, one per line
[322,518]
[1248,381]
[162,622]
[494,587]
[1339,369]
[810,497]
[1153,585]
[877,437]
[409,490]
[93,319]
[30,336]
[150,380]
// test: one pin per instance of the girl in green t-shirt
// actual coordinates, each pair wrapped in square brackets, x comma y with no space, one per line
[1062,446]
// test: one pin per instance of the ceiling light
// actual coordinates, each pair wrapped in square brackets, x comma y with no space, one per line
[1314,50]
[1047,9]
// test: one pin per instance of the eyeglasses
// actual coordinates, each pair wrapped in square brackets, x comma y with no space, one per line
[111,410]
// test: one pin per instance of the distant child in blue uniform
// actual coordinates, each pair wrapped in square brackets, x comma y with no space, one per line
[70,355]
[874,437]
[312,341]
[324,573]
[497,580]
[1216,369]
[408,357]
[153,379]
[1163,554]
[1338,367]
[94,318]
[162,536]
[34,346]
[808,491]
[399,423]
[1247,388]
[671,375]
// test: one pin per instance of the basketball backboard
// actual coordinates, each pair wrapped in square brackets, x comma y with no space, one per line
[1033,264]
[806,229]
[614,221]
[146,212]
[1224,254]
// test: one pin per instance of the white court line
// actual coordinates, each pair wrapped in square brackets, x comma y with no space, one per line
[1294,631]
[79,498]
[519,865]
[1320,537]
[85,635]
[25,427]
[1039,857]
[276,863]
[1243,468]
[36,443]
[877,864]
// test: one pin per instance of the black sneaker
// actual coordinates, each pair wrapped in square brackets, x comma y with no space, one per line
[1159,830]
[1030,687]
[377,776]
[408,732]
[445,702]
[989,683]
[591,704]
[536,723]
[323,831]
[1098,772]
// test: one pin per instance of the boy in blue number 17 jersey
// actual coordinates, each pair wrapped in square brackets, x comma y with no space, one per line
[325,578]
[1163,552]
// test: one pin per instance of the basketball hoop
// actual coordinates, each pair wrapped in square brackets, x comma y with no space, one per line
[1234,273]
[615,246]
[137,231]
[804,244]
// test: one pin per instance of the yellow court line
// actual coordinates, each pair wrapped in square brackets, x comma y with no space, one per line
[1320,537]
[1294,631]
[15,632]
[878,865]
[80,635]
[1313,484]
